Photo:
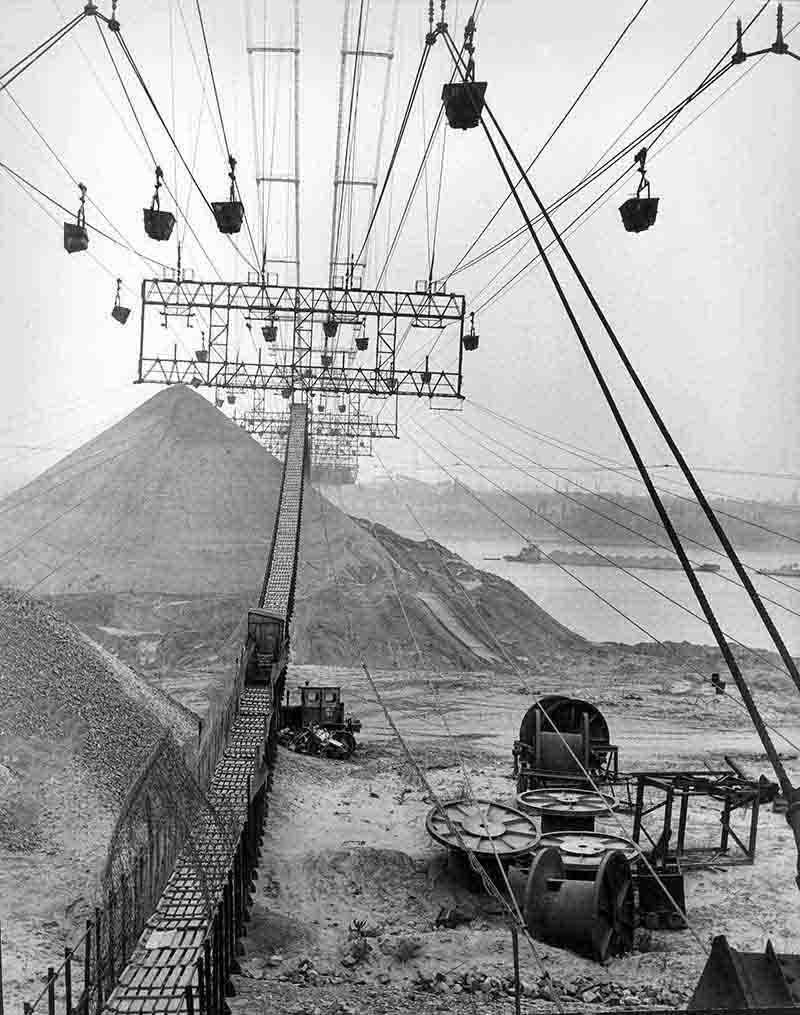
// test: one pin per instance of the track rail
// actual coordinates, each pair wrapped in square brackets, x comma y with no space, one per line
[185,956]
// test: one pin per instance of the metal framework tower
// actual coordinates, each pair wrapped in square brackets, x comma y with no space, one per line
[274,64]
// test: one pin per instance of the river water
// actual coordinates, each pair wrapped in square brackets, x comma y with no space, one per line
[562,595]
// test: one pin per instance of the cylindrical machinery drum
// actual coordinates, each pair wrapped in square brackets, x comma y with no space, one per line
[582,853]
[556,739]
[566,714]
[563,809]
[594,918]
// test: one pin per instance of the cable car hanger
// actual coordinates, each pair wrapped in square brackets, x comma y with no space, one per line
[120,313]
[158,224]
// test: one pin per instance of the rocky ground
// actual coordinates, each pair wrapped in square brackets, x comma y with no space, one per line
[352,892]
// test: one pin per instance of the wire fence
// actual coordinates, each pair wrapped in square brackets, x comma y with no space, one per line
[152,828]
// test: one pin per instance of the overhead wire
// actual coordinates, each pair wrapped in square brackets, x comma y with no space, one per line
[555,130]
[632,447]
[616,504]
[10,75]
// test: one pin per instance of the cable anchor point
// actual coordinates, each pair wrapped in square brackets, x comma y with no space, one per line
[739,56]
[780,46]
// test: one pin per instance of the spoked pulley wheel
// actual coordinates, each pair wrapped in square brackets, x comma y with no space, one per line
[563,802]
[585,851]
[482,827]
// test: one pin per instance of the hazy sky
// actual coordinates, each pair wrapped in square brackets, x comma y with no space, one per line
[706,302]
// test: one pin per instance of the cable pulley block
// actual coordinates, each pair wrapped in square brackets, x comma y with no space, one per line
[583,852]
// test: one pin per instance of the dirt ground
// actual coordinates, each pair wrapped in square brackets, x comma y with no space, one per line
[346,841]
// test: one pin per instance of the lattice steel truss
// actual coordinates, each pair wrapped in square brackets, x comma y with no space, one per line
[313,361]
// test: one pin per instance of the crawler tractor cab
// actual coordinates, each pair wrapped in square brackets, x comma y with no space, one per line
[319,707]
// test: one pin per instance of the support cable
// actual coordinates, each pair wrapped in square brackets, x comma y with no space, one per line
[719,531]
[556,129]
[618,506]
[8,77]
[617,468]
[587,546]
[474,862]
[730,660]
[673,902]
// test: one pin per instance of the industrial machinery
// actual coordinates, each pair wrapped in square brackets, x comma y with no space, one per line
[560,740]
[594,917]
[566,810]
[319,709]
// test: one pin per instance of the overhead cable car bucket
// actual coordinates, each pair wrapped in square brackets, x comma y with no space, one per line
[201,355]
[229,215]
[470,342]
[639,213]
[121,314]
[362,342]
[75,238]
[270,332]
[463,103]
[158,224]
[330,327]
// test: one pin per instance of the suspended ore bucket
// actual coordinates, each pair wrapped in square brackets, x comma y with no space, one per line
[639,213]
[158,224]
[463,103]
[270,332]
[121,314]
[470,341]
[229,215]
[201,355]
[326,358]
[330,327]
[75,238]
[362,342]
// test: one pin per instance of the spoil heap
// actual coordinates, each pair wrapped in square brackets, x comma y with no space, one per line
[155,534]
[76,727]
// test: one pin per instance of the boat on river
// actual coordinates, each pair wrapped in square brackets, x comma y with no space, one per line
[532,554]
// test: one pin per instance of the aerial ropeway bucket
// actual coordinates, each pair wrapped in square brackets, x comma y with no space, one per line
[463,103]
[120,313]
[158,224]
[639,213]
[76,237]
[229,214]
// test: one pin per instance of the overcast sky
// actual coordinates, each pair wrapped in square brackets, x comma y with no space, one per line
[706,302]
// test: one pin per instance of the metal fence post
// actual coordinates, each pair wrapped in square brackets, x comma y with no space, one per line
[68,980]
[51,991]
[98,959]
[87,967]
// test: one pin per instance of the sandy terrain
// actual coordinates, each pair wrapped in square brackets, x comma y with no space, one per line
[346,841]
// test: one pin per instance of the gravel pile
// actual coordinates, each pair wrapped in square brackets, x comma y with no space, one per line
[59,691]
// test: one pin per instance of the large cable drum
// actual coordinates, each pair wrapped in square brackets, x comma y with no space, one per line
[567,715]
[594,917]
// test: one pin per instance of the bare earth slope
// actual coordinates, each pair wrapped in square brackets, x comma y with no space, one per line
[154,537]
